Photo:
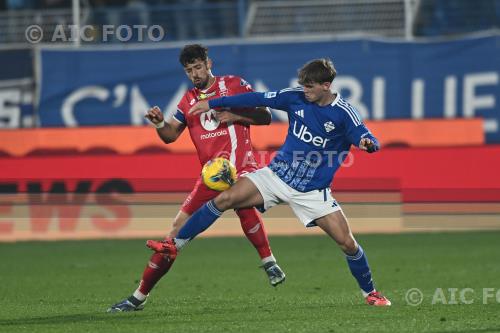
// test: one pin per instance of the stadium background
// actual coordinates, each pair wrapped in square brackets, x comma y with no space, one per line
[423,74]
[78,161]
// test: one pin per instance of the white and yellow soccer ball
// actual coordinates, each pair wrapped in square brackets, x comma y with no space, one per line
[219,174]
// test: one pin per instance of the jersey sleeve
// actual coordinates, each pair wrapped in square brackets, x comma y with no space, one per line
[355,129]
[240,85]
[180,113]
[275,99]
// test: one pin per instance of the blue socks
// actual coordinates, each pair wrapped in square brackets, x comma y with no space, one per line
[209,213]
[361,271]
[198,222]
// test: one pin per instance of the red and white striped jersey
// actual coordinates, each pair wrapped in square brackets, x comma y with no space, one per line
[211,137]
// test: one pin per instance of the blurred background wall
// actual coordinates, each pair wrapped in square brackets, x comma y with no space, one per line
[77,76]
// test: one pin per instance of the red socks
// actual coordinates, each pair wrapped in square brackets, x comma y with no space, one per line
[252,226]
[158,265]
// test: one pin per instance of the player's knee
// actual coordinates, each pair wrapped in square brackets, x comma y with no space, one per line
[224,201]
[349,245]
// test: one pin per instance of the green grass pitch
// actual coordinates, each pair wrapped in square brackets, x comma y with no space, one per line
[216,286]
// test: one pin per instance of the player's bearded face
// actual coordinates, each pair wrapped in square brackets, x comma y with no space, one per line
[199,73]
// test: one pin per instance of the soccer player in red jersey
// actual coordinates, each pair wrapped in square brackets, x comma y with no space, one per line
[214,134]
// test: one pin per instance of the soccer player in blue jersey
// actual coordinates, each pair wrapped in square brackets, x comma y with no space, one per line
[322,128]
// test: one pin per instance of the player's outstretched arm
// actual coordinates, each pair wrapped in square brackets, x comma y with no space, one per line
[257,116]
[200,107]
[167,131]
[250,100]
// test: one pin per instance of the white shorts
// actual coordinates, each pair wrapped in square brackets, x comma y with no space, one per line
[307,206]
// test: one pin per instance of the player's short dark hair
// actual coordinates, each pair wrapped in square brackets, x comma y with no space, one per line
[317,71]
[193,52]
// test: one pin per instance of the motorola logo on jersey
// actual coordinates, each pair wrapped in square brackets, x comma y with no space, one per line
[305,135]
[213,134]
[209,121]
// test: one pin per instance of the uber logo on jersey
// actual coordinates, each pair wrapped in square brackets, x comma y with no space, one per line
[209,121]
[305,135]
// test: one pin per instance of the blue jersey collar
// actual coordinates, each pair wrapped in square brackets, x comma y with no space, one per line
[336,98]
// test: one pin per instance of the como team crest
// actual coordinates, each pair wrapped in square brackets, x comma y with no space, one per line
[209,121]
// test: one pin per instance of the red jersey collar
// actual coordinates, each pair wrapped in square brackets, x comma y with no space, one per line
[211,88]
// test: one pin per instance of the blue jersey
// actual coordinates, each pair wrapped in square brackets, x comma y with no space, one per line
[318,140]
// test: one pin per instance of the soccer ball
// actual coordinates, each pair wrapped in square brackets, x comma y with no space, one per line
[218,174]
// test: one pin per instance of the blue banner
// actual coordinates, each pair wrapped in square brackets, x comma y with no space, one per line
[384,80]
